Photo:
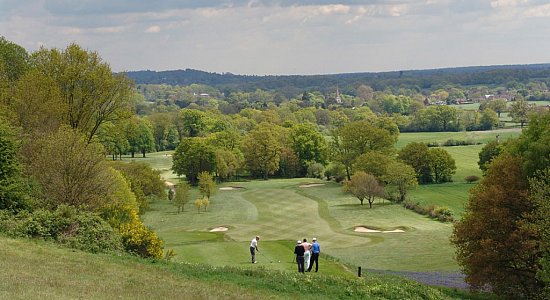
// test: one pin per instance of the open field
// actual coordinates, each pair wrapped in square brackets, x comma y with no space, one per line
[440,137]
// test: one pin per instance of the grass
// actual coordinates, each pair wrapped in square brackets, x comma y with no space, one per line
[441,137]
[282,212]
[41,270]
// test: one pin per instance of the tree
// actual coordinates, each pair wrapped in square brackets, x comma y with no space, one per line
[533,144]
[442,165]
[540,187]
[191,122]
[373,162]
[262,150]
[489,119]
[402,176]
[12,189]
[113,138]
[207,186]
[519,111]
[494,247]
[37,104]
[69,169]
[92,93]
[140,137]
[356,138]
[416,155]
[182,196]
[192,156]
[363,185]
[487,154]
[497,105]
[308,144]
[14,58]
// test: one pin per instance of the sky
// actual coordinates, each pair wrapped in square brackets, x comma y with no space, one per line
[260,37]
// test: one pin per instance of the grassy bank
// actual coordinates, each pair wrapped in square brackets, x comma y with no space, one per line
[40,270]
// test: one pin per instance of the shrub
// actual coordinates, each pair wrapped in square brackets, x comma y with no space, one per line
[315,170]
[442,214]
[471,178]
[66,225]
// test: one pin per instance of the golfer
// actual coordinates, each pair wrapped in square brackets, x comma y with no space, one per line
[254,248]
[307,253]
[299,251]
[315,251]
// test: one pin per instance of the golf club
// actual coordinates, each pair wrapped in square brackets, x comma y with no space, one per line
[270,260]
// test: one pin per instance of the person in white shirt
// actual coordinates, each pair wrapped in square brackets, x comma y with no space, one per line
[254,248]
[307,253]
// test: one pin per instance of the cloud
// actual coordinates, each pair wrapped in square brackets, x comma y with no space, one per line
[153,29]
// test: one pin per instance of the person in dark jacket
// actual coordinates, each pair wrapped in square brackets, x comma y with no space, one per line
[299,251]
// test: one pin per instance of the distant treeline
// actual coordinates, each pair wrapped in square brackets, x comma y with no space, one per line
[292,84]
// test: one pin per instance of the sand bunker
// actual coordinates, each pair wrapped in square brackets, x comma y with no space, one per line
[229,188]
[217,229]
[365,229]
[311,185]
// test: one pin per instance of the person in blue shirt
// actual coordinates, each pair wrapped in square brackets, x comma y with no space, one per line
[315,251]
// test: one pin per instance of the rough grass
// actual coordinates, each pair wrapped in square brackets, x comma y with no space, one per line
[441,137]
[41,270]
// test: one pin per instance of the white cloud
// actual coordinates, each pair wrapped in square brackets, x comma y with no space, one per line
[333,9]
[153,29]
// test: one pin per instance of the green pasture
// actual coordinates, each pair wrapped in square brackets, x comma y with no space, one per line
[441,137]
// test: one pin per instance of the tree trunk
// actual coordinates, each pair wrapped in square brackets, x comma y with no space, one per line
[143,152]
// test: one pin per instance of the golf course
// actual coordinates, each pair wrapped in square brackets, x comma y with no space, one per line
[384,238]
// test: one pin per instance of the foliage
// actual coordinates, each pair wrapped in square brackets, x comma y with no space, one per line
[471,178]
[336,171]
[373,162]
[309,145]
[442,214]
[363,185]
[487,154]
[13,58]
[144,182]
[12,188]
[192,156]
[533,144]
[540,187]
[66,225]
[69,170]
[182,196]
[315,170]
[402,176]
[519,111]
[207,186]
[416,155]
[90,91]
[494,246]
[201,203]
[121,211]
[442,165]
[262,150]
[356,138]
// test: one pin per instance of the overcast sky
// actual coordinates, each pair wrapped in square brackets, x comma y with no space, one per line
[286,36]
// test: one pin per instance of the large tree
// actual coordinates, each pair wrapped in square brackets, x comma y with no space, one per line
[519,111]
[442,165]
[309,145]
[356,138]
[401,176]
[416,155]
[92,93]
[192,156]
[494,247]
[262,150]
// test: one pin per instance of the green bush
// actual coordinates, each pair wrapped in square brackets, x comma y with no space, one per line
[442,214]
[66,225]
[471,178]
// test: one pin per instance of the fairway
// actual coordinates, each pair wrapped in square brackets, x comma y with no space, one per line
[281,211]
